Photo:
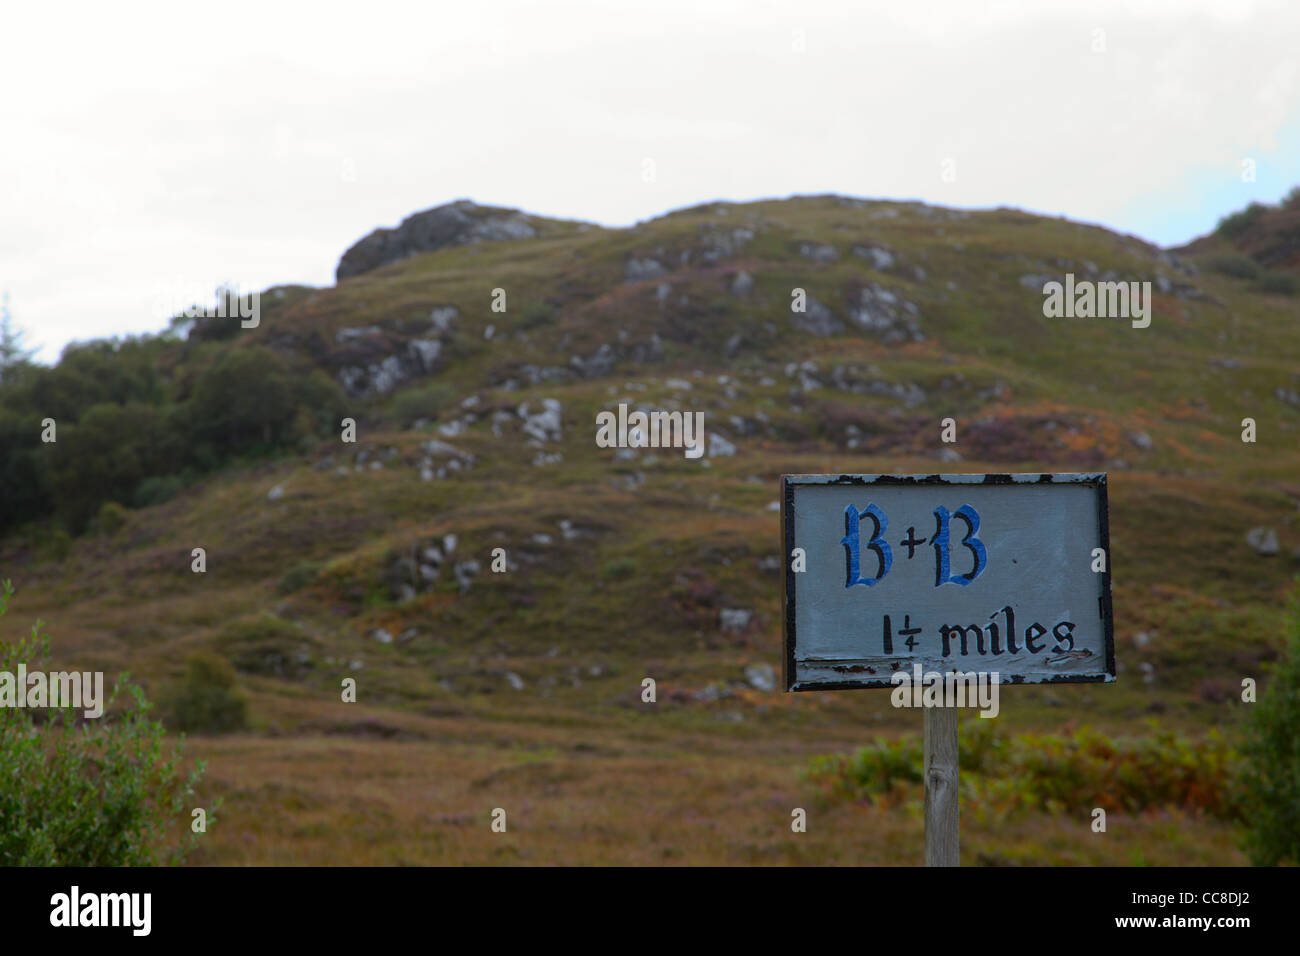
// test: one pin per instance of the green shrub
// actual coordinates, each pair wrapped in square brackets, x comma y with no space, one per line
[207,701]
[1048,772]
[99,372]
[1238,222]
[104,793]
[58,545]
[425,401]
[620,569]
[1238,267]
[136,422]
[157,490]
[298,577]
[877,768]
[1270,782]
[1278,283]
[538,314]
[243,401]
[111,518]
[115,447]
[24,486]
[266,646]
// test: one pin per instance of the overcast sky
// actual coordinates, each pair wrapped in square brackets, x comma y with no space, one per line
[149,151]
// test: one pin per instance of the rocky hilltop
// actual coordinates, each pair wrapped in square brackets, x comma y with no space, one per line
[396,479]
[457,223]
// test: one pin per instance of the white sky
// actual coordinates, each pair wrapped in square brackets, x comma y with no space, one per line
[149,151]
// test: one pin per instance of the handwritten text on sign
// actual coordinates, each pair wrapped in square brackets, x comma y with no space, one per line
[1006,573]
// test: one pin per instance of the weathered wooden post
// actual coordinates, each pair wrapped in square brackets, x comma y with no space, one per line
[941,846]
[1012,587]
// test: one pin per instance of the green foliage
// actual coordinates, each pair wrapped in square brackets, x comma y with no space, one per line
[249,401]
[1236,266]
[24,490]
[242,401]
[218,324]
[1237,223]
[538,314]
[144,425]
[103,792]
[57,545]
[1072,772]
[13,353]
[1278,283]
[157,490]
[298,577]
[1271,779]
[207,701]
[880,767]
[102,372]
[111,518]
[425,401]
[120,445]
[266,646]
[620,569]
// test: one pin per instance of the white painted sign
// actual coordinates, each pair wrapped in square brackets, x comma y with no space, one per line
[970,573]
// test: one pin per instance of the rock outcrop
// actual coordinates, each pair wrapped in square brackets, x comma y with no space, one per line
[459,223]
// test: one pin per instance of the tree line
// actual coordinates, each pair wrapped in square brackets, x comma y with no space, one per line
[134,420]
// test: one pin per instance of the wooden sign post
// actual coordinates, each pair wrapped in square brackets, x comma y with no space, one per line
[999,579]
[940,749]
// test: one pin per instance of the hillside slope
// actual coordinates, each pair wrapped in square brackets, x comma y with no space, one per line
[475,430]
[1269,235]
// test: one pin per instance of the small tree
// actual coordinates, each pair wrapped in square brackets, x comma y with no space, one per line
[1271,777]
[94,793]
[207,701]
[12,352]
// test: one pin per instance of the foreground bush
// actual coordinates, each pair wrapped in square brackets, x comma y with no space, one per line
[77,792]
[1271,781]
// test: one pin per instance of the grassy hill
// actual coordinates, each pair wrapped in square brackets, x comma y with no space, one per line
[475,430]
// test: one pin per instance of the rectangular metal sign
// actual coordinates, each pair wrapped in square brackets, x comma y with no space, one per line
[973,573]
